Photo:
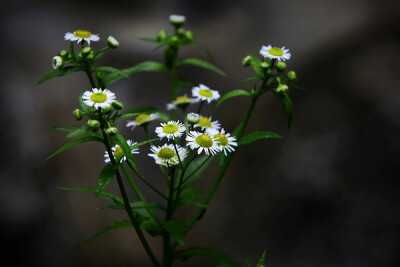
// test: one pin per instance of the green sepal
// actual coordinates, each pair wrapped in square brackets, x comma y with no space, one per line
[202,64]
[176,228]
[256,135]
[106,174]
[140,67]
[59,73]
[219,258]
[262,259]
[74,143]
[115,226]
[287,104]
[230,94]
[111,197]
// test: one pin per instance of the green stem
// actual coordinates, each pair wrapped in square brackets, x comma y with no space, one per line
[167,259]
[127,205]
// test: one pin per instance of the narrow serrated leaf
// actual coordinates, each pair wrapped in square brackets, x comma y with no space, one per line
[176,228]
[202,64]
[233,93]
[113,198]
[74,143]
[59,72]
[106,174]
[256,135]
[116,226]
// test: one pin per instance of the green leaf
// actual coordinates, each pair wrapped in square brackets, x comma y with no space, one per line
[151,227]
[74,143]
[111,197]
[125,147]
[140,67]
[230,94]
[202,64]
[149,39]
[83,130]
[116,226]
[111,70]
[179,84]
[262,259]
[66,128]
[105,177]
[188,195]
[256,135]
[251,79]
[208,253]
[255,63]
[287,104]
[176,228]
[195,169]
[59,72]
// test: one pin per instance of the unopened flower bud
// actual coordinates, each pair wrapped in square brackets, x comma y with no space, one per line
[264,65]
[189,36]
[180,32]
[57,62]
[246,61]
[281,66]
[282,88]
[162,34]
[117,105]
[63,53]
[86,50]
[78,114]
[91,55]
[112,42]
[111,131]
[193,118]
[177,20]
[93,124]
[291,75]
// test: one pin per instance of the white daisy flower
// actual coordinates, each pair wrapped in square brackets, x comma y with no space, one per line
[142,119]
[166,154]
[193,118]
[117,152]
[81,35]
[177,19]
[275,52]
[181,102]
[206,123]
[98,98]
[57,62]
[202,142]
[203,93]
[170,129]
[225,140]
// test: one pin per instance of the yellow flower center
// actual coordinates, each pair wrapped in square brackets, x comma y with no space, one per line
[142,118]
[170,128]
[182,99]
[118,152]
[223,141]
[205,92]
[82,34]
[204,122]
[275,51]
[98,97]
[204,141]
[166,153]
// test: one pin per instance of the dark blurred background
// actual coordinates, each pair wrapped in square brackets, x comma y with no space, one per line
[326,195]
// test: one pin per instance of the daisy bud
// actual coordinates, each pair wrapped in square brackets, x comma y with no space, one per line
[189,36]
[281,66]
[86,50]
[117,105]
[111,131]
[63,53]
[246,61]
[91,55]
[291,75]
[265,65]
[93,124]
[112,42]
[180,32]
[57,62]
[193,118]
[282,88]
[78,114]
[162,34]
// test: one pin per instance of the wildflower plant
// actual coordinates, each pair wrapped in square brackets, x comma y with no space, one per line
[183,140]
